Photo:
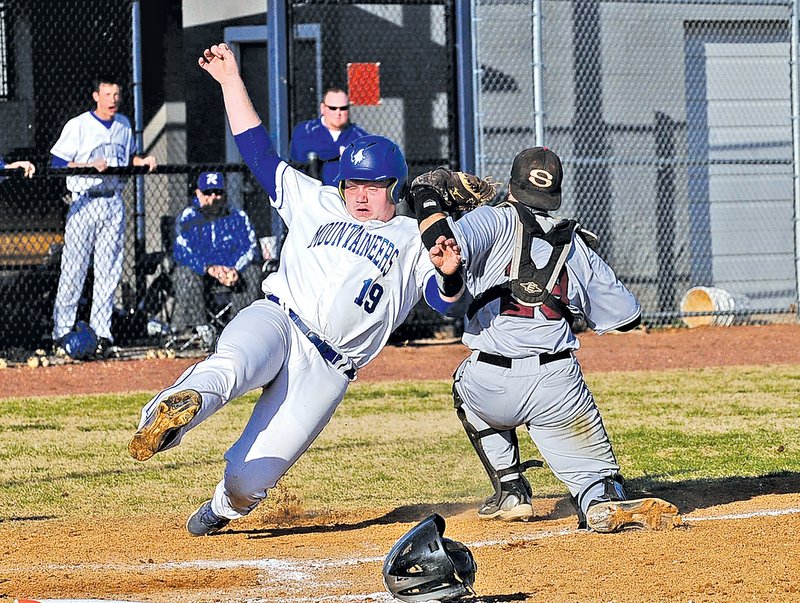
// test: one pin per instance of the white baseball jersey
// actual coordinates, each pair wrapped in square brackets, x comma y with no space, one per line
[85,139]
[487,236]
[352,282]
[95,222]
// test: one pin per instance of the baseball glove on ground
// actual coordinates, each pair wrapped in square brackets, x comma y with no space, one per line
[460,191]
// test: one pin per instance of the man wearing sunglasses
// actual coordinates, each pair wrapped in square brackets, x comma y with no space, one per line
[214,245]
[317,144]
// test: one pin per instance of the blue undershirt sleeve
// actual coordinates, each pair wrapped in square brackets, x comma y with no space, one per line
[433,296]
[58,162]
[260,156]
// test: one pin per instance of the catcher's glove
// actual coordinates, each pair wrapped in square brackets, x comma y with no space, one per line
[460,191]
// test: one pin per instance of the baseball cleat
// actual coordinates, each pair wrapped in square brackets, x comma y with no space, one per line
[640,513]
[173,412]
[514,505]
[205,522]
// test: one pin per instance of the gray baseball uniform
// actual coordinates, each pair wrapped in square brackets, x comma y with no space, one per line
[522,370]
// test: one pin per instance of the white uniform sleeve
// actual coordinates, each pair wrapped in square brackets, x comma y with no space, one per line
[594,288]
[477,233]
[293,187]
[69,143]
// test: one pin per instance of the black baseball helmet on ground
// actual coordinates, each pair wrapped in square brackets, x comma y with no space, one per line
[424,566]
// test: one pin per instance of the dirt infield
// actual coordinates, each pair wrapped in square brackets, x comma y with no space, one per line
[638,350]
[739,541]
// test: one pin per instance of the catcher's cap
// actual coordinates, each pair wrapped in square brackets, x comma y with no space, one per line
[536,178]
[211,180]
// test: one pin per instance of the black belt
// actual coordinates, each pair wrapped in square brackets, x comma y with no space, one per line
[325,350]
[100,193]
[504,362]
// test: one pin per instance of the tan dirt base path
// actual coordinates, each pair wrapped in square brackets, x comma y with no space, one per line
[739,543]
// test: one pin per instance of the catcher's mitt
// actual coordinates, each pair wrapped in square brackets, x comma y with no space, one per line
[460,191]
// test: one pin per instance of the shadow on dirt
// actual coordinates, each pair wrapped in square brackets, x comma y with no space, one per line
[502,598]
[688,495]
[691,495]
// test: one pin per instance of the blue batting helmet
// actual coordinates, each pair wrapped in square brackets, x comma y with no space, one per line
[81,342]
[373,158]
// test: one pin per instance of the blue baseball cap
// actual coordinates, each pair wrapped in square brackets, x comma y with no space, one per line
[211,180]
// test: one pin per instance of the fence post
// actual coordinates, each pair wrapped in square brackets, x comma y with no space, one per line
[278,78]
[139,245]
[795,84]
[538,91]
[665,210]
[465,87]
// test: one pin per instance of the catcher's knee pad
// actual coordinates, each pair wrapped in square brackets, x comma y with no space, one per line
[613,489]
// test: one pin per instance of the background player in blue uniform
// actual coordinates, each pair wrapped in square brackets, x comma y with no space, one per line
[100,138]
[213,242]
[326,136]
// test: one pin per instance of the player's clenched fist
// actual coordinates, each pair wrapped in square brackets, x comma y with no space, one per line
[220,62]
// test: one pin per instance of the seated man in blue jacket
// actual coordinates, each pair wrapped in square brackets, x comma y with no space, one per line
[214,245]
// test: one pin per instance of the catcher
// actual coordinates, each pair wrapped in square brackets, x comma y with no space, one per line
[533,279]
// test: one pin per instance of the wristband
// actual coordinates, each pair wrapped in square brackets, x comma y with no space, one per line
[450,285]
[427,201]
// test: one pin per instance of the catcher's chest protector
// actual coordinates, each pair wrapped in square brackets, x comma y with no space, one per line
[532,286]
[528,285]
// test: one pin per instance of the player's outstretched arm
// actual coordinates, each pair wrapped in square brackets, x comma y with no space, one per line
[220,62]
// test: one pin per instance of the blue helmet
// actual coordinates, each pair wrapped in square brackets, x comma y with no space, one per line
[81,342]
[373,158]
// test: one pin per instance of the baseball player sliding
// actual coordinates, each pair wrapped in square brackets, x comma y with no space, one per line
[350,272]
[532,278]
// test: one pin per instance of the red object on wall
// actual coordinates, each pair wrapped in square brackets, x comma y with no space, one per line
[364,83]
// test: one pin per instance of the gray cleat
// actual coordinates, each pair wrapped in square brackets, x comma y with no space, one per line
[173,412]
[205,522]
[640,513]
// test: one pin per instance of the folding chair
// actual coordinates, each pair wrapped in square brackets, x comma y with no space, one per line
[218,305]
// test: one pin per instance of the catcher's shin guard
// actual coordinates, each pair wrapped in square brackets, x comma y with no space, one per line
[501,489]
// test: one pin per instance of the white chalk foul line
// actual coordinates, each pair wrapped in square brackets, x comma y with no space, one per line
[765,513]
[303,571]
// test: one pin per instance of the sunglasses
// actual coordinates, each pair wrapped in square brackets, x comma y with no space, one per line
[214,191]
[345,108]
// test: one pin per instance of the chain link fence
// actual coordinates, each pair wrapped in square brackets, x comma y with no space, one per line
[673,121]
[401,83]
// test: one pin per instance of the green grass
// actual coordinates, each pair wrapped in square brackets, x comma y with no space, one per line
[394,444]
